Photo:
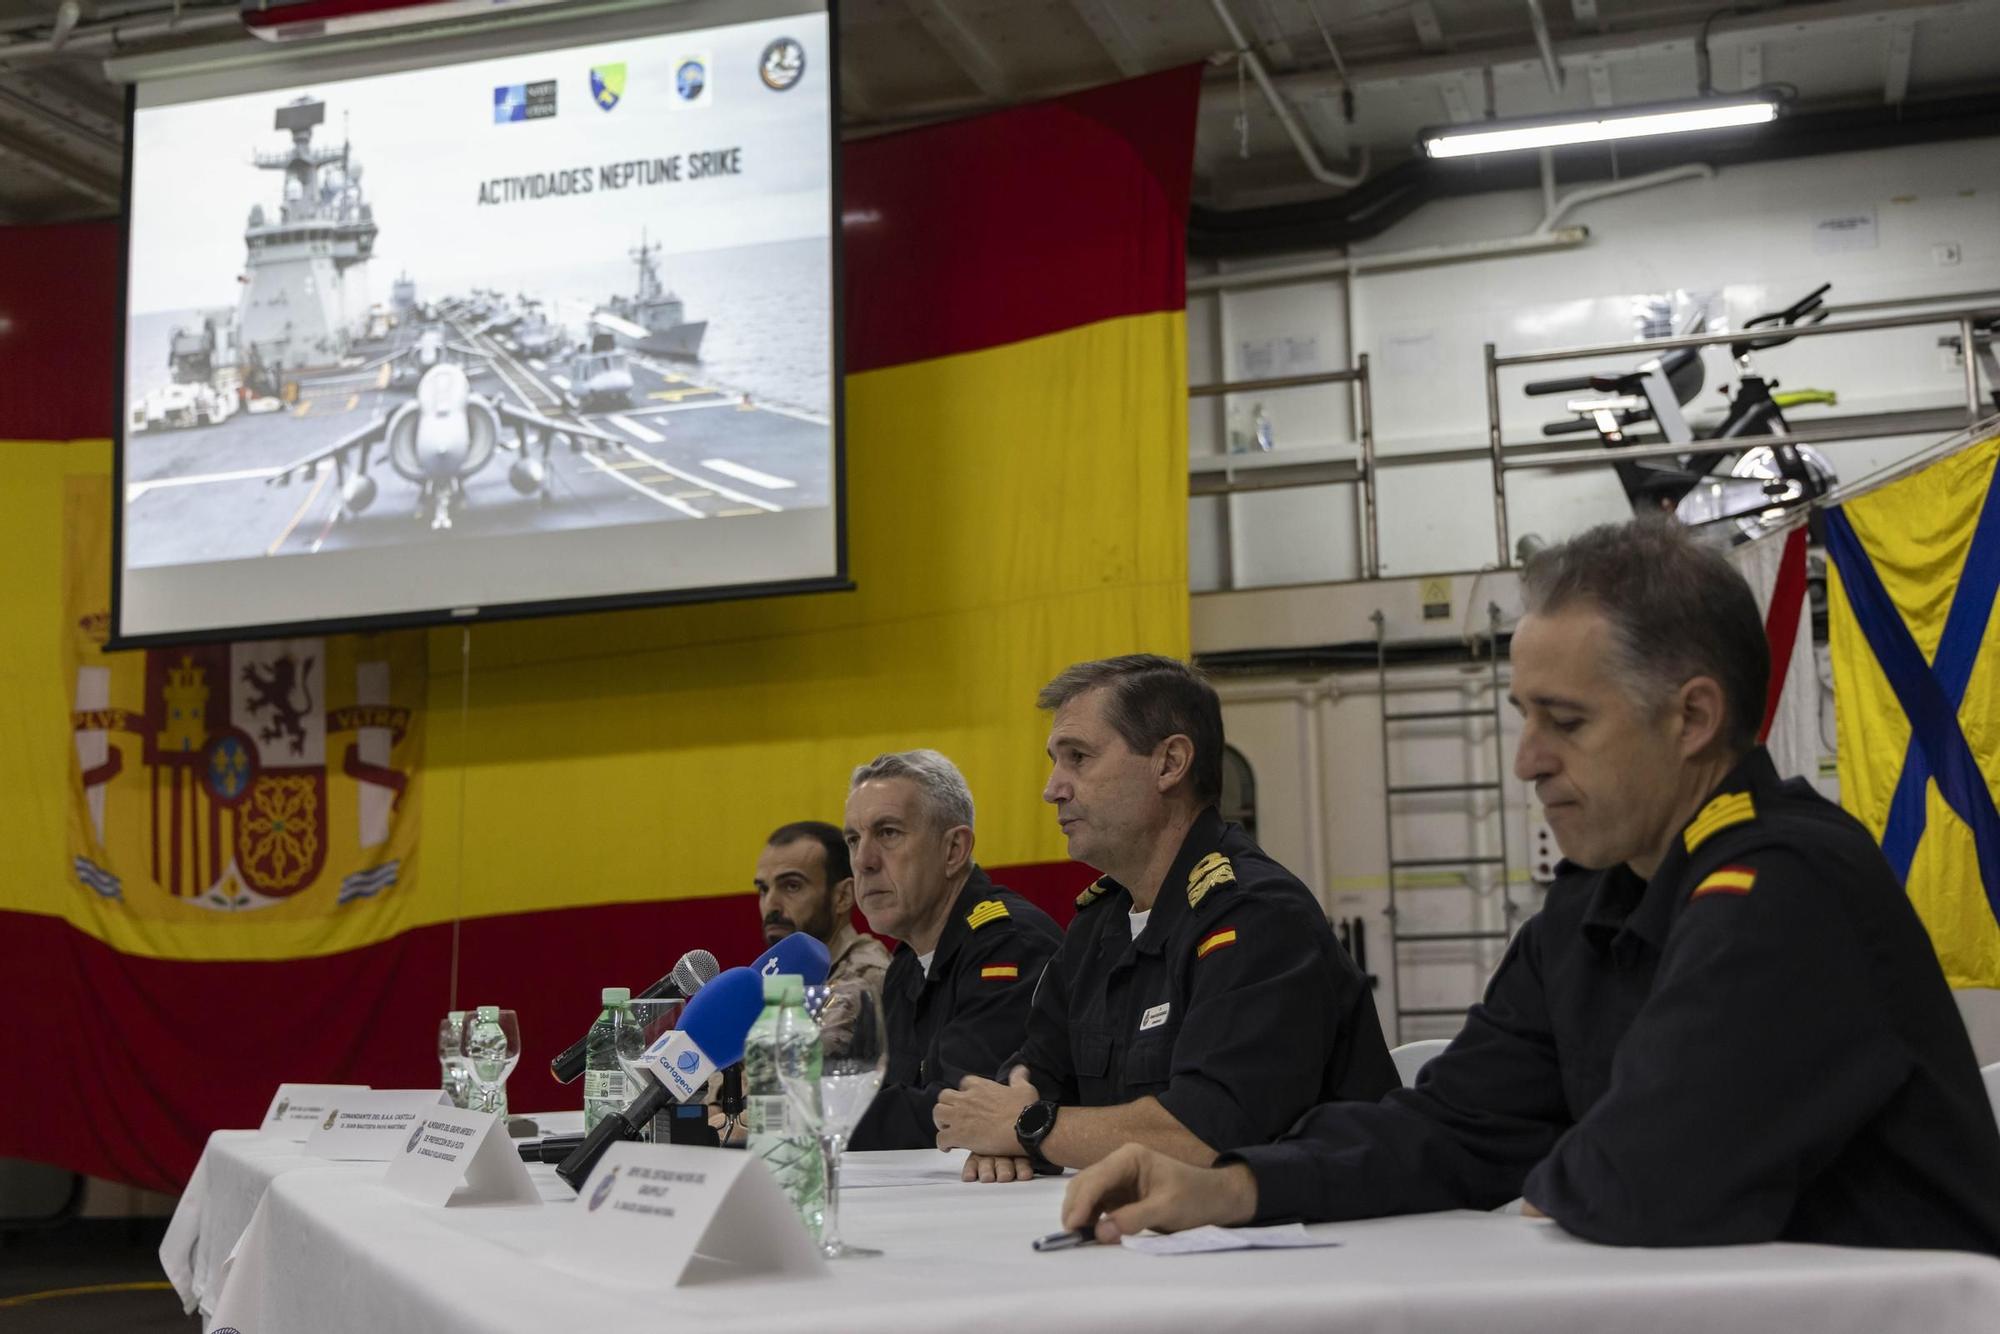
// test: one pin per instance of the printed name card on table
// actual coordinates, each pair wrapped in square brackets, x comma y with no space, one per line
[685,1213]
[371,1126]
[296,1108]
[452,1148]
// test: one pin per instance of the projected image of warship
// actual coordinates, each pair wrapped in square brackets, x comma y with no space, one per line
[653,319]
[305,293]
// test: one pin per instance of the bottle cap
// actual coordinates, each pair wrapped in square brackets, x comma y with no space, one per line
[489,1014]
[786,987]
[455,1017]
[618,995]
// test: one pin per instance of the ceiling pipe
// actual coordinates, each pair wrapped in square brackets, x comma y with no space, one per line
[1540,23]
[97,38]
[1590,194]
[1318,170]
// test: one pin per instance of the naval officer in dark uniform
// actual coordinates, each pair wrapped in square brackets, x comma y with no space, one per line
[1199,1002]
[1727,1025]
[955,999]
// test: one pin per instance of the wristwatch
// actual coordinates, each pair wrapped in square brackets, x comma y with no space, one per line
[1033,1125]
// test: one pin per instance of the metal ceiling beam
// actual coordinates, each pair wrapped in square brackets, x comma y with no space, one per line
[1612,48]
[949,29]
[1430,33]
[72,176]
[1902,44]
[1108,28]
[60,116]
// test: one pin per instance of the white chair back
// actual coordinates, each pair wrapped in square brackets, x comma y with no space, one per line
[1412,1057]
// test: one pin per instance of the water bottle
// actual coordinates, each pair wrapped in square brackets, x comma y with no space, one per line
[486,1050]
[783,1047]
[603,1077]
[451,1059]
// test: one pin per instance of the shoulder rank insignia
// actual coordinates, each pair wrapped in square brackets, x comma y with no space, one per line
[1000,972]
[1725,880]
[1209,872]
[1731,808]
[1215,940]
[1096,890]
[986,910]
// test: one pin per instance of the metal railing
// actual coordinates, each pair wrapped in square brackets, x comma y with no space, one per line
[1364,413]
[1513,458]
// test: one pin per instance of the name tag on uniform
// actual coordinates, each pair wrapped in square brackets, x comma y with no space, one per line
[1156,1016]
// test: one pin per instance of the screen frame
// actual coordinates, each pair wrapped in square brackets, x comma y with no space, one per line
[559,30]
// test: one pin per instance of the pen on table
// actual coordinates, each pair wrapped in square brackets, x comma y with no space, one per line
[1062,1241]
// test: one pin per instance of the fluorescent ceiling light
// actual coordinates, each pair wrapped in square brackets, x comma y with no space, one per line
[1507,137]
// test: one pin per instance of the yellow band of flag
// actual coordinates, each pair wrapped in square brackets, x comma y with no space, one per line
[1728,880]
[1214,941]
[1001,970]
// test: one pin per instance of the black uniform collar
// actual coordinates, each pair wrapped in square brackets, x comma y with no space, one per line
[977,886]
[1624,906]
[1170,904]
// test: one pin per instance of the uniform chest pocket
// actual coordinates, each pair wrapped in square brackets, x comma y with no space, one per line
[1092,1053]
[1149,1060]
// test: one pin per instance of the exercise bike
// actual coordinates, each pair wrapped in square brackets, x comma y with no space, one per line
[1694,487]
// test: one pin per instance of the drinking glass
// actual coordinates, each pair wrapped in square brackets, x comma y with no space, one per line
[491,1062]
[451,1057]
[854,1053]
[654,1019]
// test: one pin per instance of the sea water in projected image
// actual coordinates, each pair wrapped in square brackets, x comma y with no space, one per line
[765,306]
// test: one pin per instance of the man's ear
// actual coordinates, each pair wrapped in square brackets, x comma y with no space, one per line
[957,849]
[1173,760]
[842,896]
[1703,715]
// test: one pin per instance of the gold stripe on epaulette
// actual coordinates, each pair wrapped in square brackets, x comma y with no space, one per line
[1731,808]
[1210,871]
[986,910]
[1092,892]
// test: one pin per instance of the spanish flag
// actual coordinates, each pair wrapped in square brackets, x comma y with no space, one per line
[525,812]
[1913,571]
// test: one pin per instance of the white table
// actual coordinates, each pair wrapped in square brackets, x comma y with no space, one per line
[331,1250]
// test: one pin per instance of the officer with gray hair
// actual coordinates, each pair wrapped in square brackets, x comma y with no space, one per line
[956,997]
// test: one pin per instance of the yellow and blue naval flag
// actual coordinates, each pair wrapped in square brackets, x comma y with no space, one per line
[1912,575]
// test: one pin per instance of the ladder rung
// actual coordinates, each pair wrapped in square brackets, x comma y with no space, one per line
[1450,935]
[1416,789]
[1445,1013]
[1425,714]
[1445,861]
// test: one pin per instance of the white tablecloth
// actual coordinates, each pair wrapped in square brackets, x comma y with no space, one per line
[332,1250]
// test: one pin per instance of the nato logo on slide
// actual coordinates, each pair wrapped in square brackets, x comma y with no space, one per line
[524,101]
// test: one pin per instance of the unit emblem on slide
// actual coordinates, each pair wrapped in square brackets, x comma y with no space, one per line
[782,65]
[607,85]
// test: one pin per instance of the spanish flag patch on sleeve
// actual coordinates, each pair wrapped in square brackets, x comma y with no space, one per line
[1005,972]
[1726,880]
[1214,941]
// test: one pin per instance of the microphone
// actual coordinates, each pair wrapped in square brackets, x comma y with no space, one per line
[711,1033]
[797,953]
[692,973]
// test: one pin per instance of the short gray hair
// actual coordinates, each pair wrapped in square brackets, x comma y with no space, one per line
[946,797]
[1678,609]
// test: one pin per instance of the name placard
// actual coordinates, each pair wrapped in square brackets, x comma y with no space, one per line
[371,1126]
[455,1156]
[296,1108]
[687,1212]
